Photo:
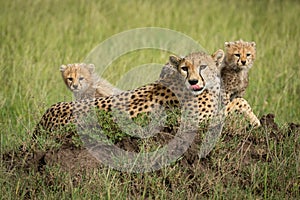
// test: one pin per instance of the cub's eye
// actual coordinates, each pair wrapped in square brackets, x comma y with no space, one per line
[184,68]
[81,78]
[237,55]
[202,67]
[70,79]
[248,54]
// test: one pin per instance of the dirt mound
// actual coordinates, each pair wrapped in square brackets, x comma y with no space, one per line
[234,151]
[72,158]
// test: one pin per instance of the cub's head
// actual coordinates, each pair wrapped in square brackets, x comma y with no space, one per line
[77,76]
[199,70]
[240,54]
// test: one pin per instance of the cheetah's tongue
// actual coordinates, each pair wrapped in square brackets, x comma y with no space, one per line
[195,87]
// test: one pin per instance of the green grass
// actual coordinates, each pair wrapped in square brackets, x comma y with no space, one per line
[38,36]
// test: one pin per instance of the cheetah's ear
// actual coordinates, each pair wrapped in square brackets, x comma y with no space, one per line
[227,44]
[62,68]
[253,44]
[90,67]
[174,60]
[218,57]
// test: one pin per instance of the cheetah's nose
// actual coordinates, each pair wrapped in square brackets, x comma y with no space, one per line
[243,62]
[75,86]
[193,81]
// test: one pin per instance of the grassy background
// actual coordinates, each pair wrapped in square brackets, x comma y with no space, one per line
[38,36]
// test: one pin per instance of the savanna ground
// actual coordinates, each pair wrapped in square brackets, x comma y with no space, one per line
[38,36]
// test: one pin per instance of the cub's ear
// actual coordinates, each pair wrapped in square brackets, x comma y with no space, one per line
[90,67]
[174,60]
[218,57]
[62,68]
[229,44]
[253,44]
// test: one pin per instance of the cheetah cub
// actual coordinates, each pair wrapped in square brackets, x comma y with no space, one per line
[82,80]
[239,58]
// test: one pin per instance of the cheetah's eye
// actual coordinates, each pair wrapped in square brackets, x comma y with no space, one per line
[248,54]
[202,67]
[237,55]
[184,68]
[81,78]
[70,79]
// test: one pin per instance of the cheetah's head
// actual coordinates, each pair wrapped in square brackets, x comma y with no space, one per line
[199,70]
[240,54]
[77,76]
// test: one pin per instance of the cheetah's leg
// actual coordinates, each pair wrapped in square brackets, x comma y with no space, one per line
[240,105]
